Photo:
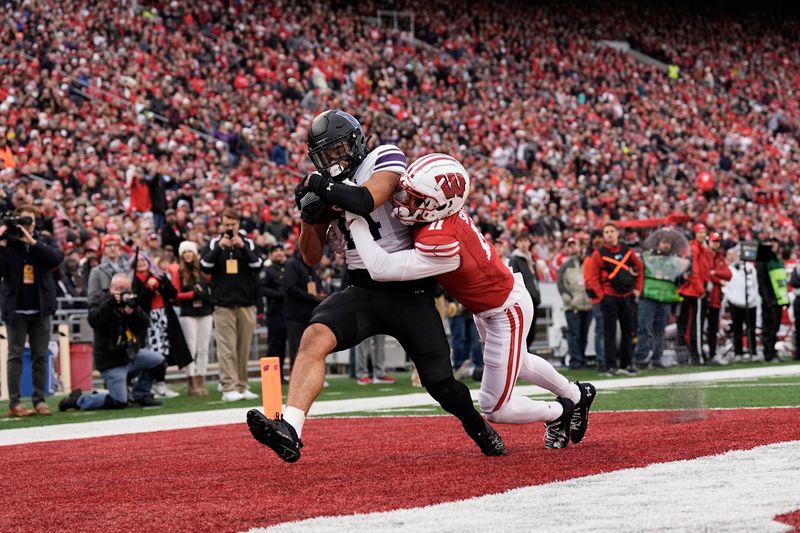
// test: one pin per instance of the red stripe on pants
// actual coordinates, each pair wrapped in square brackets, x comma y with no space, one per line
[514,346]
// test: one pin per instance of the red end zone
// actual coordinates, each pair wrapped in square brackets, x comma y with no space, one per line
[219,478]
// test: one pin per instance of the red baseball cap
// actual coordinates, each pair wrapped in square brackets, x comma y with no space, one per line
[715,237]
[699,227]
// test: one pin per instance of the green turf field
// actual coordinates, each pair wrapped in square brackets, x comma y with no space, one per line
[761,392]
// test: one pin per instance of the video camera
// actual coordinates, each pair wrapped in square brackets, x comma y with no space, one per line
[12,223]
[749,251]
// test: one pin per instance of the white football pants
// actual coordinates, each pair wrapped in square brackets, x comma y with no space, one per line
[506,357]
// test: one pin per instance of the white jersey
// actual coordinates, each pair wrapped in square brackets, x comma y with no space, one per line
[391,234]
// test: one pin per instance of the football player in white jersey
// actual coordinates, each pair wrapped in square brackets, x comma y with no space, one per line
[448,245]
[404,310]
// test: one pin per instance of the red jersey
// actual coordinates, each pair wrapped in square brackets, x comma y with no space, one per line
[482,281]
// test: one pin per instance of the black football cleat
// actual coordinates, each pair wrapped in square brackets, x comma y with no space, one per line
[489,441]
[557,432]
[580,416]
[278,435]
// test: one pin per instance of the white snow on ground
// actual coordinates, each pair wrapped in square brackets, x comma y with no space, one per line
[740,491]
[123,426]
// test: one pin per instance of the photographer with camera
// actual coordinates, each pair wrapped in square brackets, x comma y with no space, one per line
[120,329]
[233,261]
[27,301]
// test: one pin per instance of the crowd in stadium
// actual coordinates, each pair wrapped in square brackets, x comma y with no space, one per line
[147,121]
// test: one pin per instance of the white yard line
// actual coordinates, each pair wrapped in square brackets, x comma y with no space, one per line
[738,491]
[144,424]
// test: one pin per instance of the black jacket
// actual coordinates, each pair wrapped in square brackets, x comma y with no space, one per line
[164,287]
[172,235]
[298,303]
[199,303]
[520,264]
[232,289]
[110,323]
[44,256]
[765,289]
[272,288]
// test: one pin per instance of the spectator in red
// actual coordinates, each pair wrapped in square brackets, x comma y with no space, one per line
[720,274]
[140,200]
[615,274]
[693,290]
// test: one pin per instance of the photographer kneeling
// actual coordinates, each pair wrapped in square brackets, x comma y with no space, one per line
[120,327]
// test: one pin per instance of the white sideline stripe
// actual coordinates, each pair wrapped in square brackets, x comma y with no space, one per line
[736,491]
[146,424]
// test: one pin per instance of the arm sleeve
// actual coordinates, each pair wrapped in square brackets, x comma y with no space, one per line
[357,199]
[423,261]
[353,198]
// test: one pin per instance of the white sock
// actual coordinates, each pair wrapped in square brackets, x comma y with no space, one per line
[295,417]
[540,372]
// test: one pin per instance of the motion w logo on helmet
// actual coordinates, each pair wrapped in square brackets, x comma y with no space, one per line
[453,184]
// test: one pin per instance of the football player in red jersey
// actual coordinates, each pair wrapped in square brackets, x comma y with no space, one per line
[447,245]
